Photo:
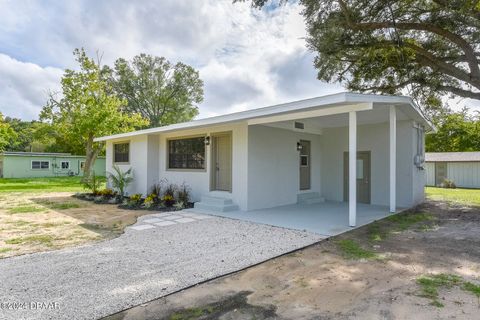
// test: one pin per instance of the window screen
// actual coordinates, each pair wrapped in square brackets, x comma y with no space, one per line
[121,152]
[40,165]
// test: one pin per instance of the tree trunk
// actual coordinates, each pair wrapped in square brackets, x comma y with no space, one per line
[90,157]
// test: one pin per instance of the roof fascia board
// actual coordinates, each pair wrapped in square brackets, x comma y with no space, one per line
[235,117]
[312,113]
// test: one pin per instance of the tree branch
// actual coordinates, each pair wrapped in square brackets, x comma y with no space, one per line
[460,92]
[458,40]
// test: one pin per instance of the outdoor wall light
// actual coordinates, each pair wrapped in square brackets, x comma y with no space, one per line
[299,146]
[207,140]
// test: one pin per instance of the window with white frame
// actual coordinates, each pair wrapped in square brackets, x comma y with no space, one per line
[121,152]
[40,165]
[82,165]
[65,165]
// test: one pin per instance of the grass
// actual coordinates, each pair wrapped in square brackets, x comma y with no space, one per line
[19,223]
[25,209]
[5,250]
[376,232]
[54,184]
[59,205]
[33,239]
[353,250]
[464,196]
[192,313]
[432,283]
[379,231]
[472,288]
[403,221]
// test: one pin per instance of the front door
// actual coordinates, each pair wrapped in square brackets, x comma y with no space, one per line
[305,165]
[440,172]
[363,176]
[222,162]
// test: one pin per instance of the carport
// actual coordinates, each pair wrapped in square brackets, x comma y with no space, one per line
[327,218]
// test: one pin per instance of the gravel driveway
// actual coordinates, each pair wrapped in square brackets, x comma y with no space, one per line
[151,259]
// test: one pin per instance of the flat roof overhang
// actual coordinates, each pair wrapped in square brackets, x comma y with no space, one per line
[314,107]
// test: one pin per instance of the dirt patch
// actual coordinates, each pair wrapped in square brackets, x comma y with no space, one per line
[48,221]
[438,241]
[231,306]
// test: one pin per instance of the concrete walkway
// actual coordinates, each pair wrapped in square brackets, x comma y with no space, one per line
[151,259]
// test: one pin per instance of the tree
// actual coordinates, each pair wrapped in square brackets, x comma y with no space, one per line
[456,131]
[160,91]
[428,48]
[87,109]
[7,134]
[33,136]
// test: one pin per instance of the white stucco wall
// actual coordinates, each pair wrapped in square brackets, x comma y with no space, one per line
[265,164]
[373,138]
[273,159]
[199,181]
[418,175]
[138,162]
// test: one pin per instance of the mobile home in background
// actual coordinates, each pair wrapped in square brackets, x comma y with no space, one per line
[40,164]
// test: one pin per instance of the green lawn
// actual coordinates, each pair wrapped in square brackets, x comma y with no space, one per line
[464,196]
[57,184]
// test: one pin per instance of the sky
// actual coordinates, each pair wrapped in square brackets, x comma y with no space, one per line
[247,58]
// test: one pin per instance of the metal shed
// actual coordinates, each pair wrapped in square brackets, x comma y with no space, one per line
[463,168]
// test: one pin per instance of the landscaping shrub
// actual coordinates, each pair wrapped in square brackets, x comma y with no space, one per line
[120,180]
[107,193]
[170,190]
[168,200]
[92,183]
[448,184]
[156,189]
[135,200]
[150,201]
[183,195]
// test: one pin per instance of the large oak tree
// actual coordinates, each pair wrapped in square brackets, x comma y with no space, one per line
[427,48]
[162,92]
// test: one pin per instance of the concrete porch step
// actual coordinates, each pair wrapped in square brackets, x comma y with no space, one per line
[216,200]
[309,198]
[216,204]
[215,208]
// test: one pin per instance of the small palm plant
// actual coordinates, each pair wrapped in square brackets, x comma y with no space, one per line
[120,180]
[92,183]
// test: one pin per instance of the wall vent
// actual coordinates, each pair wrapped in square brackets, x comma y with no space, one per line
[299,125]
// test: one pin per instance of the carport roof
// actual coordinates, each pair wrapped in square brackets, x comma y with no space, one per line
[334,100]
[452,156]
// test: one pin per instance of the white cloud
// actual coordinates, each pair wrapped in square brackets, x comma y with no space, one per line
[246,57]
[24,87]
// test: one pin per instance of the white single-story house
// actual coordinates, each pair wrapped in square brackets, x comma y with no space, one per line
[296,152]
[463,168]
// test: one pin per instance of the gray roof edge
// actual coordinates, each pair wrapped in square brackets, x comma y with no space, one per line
[39,154]
[465,156]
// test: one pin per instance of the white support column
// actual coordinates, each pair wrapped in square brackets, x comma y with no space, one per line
[393,158]
[352,168]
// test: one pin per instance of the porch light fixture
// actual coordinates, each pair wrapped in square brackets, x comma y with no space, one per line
[207,140]
[299,146]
